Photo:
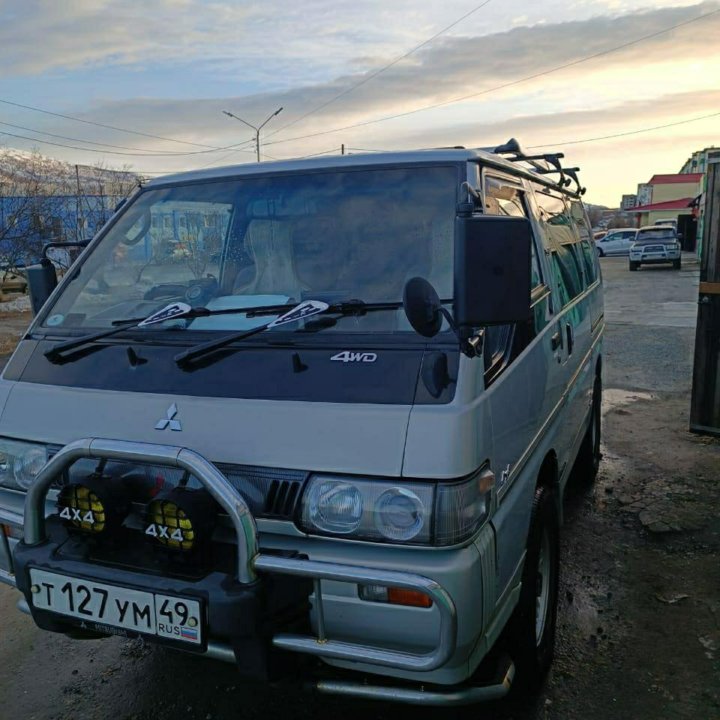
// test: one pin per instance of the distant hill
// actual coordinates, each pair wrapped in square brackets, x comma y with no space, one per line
[30,172]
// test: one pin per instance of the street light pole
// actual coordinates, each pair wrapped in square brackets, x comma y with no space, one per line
[256,129]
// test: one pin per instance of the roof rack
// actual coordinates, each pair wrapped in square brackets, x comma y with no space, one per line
[542,164]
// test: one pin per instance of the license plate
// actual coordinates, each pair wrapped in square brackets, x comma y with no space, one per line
[98,604]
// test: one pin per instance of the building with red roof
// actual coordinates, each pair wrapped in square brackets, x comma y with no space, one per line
[670,197]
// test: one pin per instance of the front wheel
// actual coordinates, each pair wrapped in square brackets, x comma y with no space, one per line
[588,459]
[633,265]
[677,264]
[600,252]
[532,627]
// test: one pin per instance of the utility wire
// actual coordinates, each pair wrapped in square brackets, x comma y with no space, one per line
[527,78]
[109,127]
[373,75]
[117,152]
[73,139]
[624,134]
[317,154]
[529,147]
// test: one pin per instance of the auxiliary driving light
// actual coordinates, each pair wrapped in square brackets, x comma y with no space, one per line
[181,519]
[91,505]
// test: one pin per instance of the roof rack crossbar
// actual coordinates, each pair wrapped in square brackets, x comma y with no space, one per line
[551,163]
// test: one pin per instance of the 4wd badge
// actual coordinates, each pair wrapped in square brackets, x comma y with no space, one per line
[347,356]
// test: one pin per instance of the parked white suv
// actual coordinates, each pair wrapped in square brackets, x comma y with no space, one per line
[655,244]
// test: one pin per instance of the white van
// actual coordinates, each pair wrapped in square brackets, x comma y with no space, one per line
[314,416]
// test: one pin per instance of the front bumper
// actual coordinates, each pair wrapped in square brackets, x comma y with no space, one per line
[664,255]
[253,569]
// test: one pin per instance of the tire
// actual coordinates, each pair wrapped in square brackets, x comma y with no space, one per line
[677,264]
[633,265]
[600,252]
[588,459]
[532,626]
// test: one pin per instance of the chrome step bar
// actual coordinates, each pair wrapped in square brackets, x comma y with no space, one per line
[250,562]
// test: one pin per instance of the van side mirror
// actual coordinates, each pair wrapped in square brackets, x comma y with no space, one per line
[492,270]
[422,306]
[42,280]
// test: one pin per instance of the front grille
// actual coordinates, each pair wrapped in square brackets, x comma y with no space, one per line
[269,492]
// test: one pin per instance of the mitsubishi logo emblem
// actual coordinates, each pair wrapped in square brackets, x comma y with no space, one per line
[169,419]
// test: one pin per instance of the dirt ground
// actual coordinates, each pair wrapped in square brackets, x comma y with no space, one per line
[639,615]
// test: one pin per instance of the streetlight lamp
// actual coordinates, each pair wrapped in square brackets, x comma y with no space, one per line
[256,129]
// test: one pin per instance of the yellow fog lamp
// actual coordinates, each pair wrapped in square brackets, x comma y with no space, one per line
[181,519]
[92,505]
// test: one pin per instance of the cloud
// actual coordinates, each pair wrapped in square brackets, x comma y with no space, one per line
[41,35]
[455,67]
[289,41]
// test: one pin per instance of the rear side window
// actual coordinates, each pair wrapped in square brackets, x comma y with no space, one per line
[503,343]
[562,241]
[587,251]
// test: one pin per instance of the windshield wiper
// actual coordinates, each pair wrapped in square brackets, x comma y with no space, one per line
[173,311]
[304,310]
[179,310]
[169,312]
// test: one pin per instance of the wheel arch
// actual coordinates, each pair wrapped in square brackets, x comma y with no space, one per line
[549,478]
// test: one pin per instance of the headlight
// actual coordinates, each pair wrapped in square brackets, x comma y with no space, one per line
[400,514]
[335,507]
[20,462]
[383,510]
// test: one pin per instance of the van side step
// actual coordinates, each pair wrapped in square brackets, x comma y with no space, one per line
[454,697]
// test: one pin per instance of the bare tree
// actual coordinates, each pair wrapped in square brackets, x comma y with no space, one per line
[27,208]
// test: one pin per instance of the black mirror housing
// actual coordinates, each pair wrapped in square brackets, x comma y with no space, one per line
[492,270]
[42,280]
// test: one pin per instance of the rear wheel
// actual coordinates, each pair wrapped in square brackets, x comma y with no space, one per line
[633,265]
[532,627]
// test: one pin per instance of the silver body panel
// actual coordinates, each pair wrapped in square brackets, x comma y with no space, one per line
[539,405]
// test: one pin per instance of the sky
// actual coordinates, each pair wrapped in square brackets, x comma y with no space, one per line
[363,74]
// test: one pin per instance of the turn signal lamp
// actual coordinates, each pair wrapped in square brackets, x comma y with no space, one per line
[395,596]
[180,519]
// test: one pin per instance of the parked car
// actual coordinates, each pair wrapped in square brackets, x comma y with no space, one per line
[350,434]
[12,280]
[655,244]
[667,221]
[616,242]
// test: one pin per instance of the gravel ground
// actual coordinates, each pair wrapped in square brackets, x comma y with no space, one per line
[639,616]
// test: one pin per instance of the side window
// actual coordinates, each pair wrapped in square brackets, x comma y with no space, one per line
[562,243]
[587,251]
[503,343]
[505,198]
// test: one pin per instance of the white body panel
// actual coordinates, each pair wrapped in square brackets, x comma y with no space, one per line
[538,406]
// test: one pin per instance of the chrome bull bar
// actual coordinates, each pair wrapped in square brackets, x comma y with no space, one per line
[250,562]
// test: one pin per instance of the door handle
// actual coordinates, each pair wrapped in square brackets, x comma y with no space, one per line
[556,341]
[570,337]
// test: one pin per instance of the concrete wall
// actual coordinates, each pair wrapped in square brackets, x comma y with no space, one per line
[674,191]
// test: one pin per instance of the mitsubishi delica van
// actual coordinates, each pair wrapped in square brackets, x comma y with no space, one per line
[314,418]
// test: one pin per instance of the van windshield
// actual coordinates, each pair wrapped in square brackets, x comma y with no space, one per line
[254,241]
